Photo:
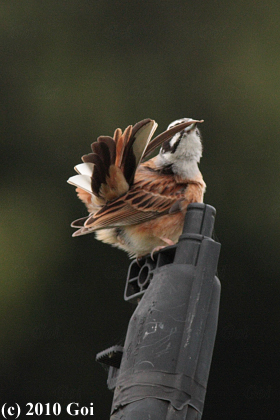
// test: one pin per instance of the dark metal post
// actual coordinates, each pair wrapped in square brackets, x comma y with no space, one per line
[164,368]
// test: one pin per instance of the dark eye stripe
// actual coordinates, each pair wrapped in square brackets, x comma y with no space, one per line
[166,147]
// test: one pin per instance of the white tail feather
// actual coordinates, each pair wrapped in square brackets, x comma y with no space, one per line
[84,168]
[81,181]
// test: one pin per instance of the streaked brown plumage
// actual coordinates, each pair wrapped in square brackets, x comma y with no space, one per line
[136,206]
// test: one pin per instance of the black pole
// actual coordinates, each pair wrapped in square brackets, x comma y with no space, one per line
[163,368]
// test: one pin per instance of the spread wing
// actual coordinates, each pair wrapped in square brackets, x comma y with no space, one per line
[149,198]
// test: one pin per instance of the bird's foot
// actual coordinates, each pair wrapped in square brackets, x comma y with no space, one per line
[158,248]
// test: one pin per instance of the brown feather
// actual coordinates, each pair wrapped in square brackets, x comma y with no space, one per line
[99,172]
[120,146]
[115,184]
[117,134]
[89,158]
[139,125]
[102,150]
[111,146]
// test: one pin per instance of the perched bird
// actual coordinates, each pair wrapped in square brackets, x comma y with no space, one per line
[134,205]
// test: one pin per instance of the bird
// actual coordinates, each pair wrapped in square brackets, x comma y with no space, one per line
[135,204]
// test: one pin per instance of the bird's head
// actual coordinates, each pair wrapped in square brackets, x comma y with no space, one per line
[184,145]
[183,149]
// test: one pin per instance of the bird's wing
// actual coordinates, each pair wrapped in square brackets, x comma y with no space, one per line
[150,197]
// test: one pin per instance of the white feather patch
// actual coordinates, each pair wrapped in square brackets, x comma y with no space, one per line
[81,181]
[84,168]
[174,139]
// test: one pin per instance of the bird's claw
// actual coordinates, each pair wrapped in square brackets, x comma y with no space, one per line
[158,248]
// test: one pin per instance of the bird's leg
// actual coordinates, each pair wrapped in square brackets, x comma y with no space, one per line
[138,261]
[158,248]
[167,241]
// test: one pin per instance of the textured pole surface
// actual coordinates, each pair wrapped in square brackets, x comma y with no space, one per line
[168,349]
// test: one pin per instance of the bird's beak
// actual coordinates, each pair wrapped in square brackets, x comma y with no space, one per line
[191,127]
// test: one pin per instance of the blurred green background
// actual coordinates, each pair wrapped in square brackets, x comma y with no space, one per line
[73,70]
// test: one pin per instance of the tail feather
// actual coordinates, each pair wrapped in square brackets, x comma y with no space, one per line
[141,135]
[99,171]
[121,144]
[111,146]
[84,168]
[108,171]
[117,134]
[102,150]
[81,181]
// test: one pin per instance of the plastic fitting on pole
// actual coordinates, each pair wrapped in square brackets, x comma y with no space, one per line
[164,369]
